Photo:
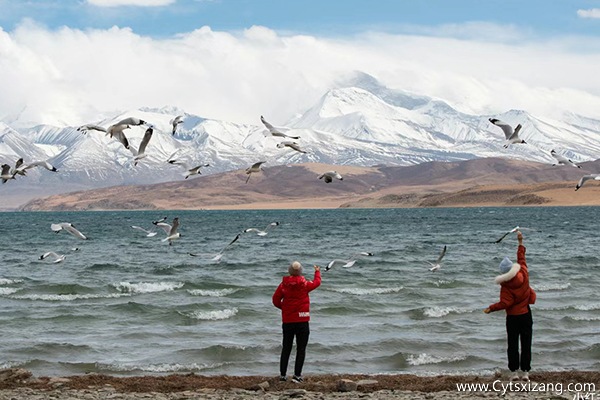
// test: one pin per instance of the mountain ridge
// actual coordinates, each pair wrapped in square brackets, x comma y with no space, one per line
[432,184]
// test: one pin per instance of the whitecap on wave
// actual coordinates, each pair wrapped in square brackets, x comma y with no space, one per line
[67,297]
[551,286]
[212,293]
[162,367]
[366,291]
[587,319]
[438,312]
[7,290]
[147,287]
[588,307]
[424,358]
[4,281]
[213,315]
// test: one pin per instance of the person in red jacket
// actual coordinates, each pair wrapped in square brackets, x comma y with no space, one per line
[515,297]
[292,298]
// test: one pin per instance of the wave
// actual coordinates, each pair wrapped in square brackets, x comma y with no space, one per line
[147,287]
[4,291]
[213,293]
[212,315]
[67,297]
[4,281]
[159,368]
[588,307]
[551,286]
[227,352]
[438,312]
[365,291]
[424,359]
[581,318]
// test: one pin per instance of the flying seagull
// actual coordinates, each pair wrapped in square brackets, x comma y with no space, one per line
[349,262]
[6,174]
[437,265]
[141,152]
[256,167]
[329,175]
[562,160]
[163,219]
[57,257]
[511,135]
[189,171]
[132,121]
[17,170]
[115,130]
[216,256]
[148,233]
[91,127]
[176,121]
[274,131]
[170,230]
[21,168]
[585,178]
[513,230]
[67,226]
[262,233]
[291,145]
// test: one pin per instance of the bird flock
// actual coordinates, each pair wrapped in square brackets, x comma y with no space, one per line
[172,234]
[118,132]
[511,136]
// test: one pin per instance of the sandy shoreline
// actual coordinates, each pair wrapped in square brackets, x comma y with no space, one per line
[20,384]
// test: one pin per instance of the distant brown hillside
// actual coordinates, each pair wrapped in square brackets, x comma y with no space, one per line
[491,181]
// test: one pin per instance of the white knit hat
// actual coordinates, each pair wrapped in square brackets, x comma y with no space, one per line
[505,265]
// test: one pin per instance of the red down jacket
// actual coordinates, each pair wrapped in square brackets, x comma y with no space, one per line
[292,298]
[515,293]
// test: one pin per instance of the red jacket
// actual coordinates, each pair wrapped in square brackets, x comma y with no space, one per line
[291,297]
[515,293]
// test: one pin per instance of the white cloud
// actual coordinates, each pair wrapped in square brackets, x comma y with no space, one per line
[590,13]
[75,76]
[138,3]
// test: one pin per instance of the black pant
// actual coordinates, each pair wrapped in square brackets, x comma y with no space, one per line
[519,327]
[301,331]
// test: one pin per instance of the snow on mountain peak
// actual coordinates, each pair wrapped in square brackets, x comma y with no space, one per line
[358,122]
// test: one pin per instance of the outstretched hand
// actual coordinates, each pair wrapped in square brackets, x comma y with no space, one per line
[317,268]
[487,310]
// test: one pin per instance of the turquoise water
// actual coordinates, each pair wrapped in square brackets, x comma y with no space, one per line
[125,304]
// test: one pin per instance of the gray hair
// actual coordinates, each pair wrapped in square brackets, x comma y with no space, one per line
[295,268]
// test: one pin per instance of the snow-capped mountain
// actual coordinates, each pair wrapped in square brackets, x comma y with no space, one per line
[360,122]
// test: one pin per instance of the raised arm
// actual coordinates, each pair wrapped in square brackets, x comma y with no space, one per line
[316,281]
[521,250]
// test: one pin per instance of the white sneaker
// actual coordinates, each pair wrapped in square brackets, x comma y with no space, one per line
[525,376]
[513,376]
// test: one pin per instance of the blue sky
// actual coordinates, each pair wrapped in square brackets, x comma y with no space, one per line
[71,61]
[322,17]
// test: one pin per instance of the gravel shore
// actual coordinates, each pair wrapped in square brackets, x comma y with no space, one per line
[19,384]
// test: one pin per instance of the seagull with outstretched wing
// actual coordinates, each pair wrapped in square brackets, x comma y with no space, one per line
[511,135]
[276,132]
[68,227]
[586,178]
[438,263]
[562,160]
[256,167]
[347,263]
